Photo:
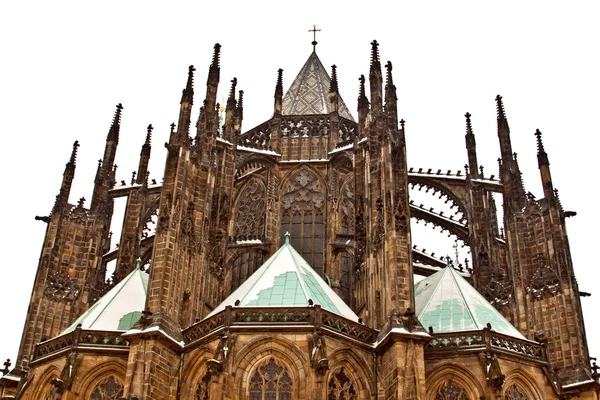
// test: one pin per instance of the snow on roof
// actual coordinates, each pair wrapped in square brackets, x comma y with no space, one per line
[126,297]
[448,303]
[286,280]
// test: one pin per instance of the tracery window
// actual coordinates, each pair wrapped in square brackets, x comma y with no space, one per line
[514,393]
[341,387]
[347,282]
[451,392]
[249,222]
[244,266]
[347,207]
[303,208]
[108,389]
[271,382]
[203,388]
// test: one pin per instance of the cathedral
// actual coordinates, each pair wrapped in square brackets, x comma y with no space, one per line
[277,263]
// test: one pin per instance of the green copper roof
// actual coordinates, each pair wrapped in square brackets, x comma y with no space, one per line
[115,310]
[448,303]
[309,93]
[286,280]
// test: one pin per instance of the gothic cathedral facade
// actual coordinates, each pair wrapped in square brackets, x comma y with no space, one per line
[281,266]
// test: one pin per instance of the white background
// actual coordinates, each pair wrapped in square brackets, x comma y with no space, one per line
[64,66]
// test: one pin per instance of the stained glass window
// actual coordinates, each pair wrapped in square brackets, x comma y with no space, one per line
[451,392]
[203,388]
[244,266]
[514,393]
[341,387]
[108,389]
[271,382]
[303,208]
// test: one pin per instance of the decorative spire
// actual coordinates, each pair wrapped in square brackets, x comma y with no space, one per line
[333,86]
[278,93]
[73,158]
[391,99]
[375,78]
[215,66]
[148,135]
[471,147]
[113,133]
[500,108]
[363,102]
[541,153]
[279,85]
[188,92]
[65,189]
[239,112]
[544,166]
[231,103]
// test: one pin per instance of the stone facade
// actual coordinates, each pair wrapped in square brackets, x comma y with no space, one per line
[341,188]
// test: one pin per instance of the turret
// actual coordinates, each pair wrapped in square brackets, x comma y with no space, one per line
[65,189]
[544,166]
[334,97]
[144,157]
[375,79]
[471,147]
[278,93]
[391,100]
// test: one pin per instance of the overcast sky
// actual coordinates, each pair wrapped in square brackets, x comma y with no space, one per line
[65,65]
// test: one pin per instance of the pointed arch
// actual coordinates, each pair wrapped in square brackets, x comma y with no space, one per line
[355,367]
[519,379]
[44,385]
[303,197]
[99,374]
[254,354]
[459,376]
[195,371]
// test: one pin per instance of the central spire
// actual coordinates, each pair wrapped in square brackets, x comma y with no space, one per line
[309,93]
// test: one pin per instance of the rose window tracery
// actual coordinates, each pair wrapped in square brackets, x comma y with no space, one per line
[271,382]
[451,392]
[303,209]
[108,389]
[341,387]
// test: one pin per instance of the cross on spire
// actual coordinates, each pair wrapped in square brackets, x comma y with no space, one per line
[314,30]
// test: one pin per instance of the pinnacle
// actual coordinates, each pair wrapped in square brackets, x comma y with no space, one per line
[74,153]
[279,85]
[333,86]
[149,134]
[469,127]
[500,107]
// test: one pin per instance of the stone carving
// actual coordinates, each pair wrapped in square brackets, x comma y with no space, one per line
[222,354]
[341,387]
[544,282]
[493,373]
[60,286]
[318,354]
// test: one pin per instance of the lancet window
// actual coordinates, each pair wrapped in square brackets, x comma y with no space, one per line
[515,393]
[450,391]
[108,389]
[303,209]
[203,388]
[347,207]
[341,387]
[244,266]
[271,382]
[249,220]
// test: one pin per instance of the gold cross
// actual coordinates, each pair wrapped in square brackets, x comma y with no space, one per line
[314,30]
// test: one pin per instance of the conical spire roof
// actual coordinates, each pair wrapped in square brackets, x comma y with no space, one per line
[309,91]
[119,308]
[286,280]
[448,303]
